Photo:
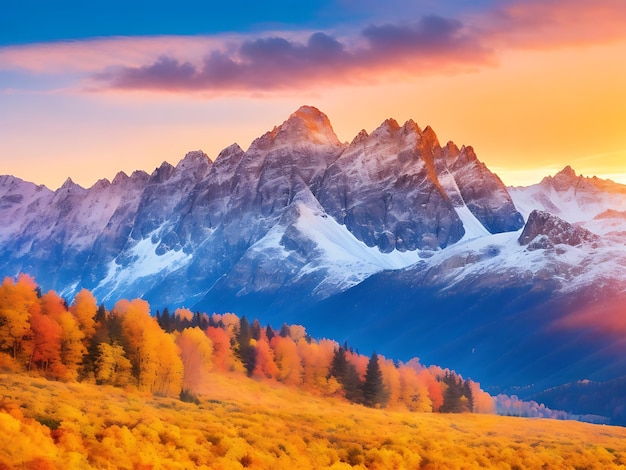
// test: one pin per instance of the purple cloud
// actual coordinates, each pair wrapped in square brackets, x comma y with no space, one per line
[430,45]
[164,70]
[432,33]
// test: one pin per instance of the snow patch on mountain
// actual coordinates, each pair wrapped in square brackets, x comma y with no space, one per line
[574,198]
[473,227]
[141,261]
[504,258]
[346,260]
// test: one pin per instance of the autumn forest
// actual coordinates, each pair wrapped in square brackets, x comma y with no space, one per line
[172,354]
[164,382]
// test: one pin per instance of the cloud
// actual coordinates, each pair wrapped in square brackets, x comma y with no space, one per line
[556,23]
[293,61]
[430,45]
[430,33]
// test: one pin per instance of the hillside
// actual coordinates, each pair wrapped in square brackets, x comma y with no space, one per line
[392,242]
[239,422]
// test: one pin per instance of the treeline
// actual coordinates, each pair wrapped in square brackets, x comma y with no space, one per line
[171,354]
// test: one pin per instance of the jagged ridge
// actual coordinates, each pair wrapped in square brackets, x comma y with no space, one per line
[236,224]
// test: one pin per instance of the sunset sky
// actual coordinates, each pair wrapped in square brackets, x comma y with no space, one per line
[91,88]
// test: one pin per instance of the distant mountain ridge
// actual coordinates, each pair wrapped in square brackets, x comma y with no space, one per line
[173,234]
[391,241]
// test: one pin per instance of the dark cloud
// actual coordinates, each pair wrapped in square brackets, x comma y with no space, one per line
[164,70]
[431,44]
[429,33]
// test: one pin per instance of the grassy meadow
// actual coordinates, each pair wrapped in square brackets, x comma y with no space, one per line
[239,422]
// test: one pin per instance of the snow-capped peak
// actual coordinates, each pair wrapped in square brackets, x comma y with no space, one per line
[307,124]
[69,185]
[194,157]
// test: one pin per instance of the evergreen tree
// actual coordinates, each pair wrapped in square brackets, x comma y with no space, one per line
[256,329]
[467,393]
[200,321]
[374,393]
[457,396]
[345,373]
[101,315]
[166,321]
[269,333]
[284,330]
[338,365]
[244,350]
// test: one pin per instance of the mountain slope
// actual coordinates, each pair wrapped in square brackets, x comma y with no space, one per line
[390,241]
[255,221]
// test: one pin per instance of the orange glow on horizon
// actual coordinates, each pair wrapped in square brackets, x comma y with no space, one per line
[529,115]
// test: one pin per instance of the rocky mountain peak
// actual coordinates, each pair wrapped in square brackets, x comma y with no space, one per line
[307,124]
[101,184]
[411,127]
[566,173]
[196,164]
[388,128]
[451,149]
[360,137]
[544,230]
[192,158]
[69,185]
[162,173]
[466,156]
[119,178]
[567,179]
[563,180]
[429,136]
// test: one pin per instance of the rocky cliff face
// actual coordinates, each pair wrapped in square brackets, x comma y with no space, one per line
[544,230]
[237,224]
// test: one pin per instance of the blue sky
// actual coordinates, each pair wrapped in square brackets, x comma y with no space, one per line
[88,88]
[32,21]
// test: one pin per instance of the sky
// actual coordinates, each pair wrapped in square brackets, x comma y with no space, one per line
[88,89]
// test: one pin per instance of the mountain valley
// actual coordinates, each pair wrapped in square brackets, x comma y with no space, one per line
[391,242]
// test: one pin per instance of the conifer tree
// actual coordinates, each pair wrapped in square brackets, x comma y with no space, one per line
[457,397]
[256,330]
[338,365]
[346,374]
[244,349]
[373,387]
[166,321]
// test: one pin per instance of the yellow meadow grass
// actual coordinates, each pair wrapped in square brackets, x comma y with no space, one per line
[243,423]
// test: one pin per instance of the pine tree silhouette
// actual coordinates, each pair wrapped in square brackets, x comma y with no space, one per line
[374,393]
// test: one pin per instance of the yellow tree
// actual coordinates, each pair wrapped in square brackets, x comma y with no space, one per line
[316,358]
[71,347]
[46,340]
[152,352]
[196,353]
[112,365]
[391,379]
[183,315]
[265,365]
[137,340]
[287,359]
[84,309]
[223,357]
[17,299]
[413,391]
[169,376]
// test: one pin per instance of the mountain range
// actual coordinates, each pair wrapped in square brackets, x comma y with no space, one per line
[392,241]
